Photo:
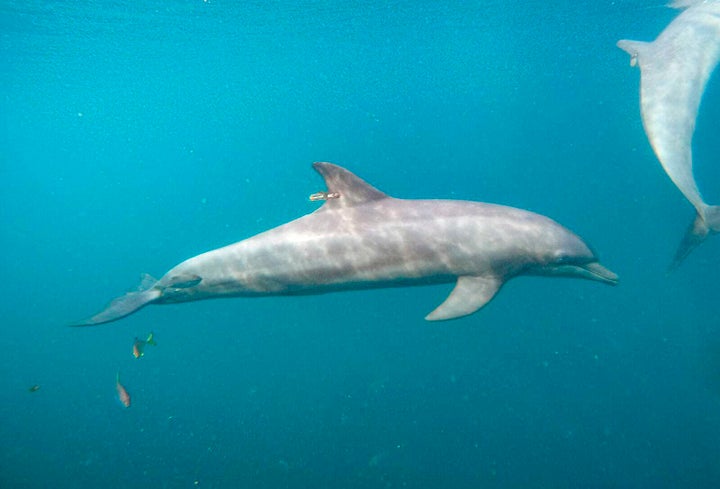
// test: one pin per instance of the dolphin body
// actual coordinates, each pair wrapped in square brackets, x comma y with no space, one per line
[362,238]
[674,70]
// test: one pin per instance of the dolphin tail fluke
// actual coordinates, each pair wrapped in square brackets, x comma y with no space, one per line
[696,234]
[122,306]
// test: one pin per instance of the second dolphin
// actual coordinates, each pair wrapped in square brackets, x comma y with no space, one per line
[674,71]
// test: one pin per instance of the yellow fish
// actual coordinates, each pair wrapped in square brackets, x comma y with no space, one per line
[138,348]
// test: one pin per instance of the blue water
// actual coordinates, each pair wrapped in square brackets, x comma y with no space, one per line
[137,134]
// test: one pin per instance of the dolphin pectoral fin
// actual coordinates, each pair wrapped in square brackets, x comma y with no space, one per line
[121,307]
[696,234]
[469,295]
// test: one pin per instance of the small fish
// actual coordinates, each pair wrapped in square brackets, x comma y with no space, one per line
[123,394]
[138,348]
[34,388]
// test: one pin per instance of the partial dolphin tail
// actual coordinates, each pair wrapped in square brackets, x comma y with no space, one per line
[125,304]
[697,232]
[712,217]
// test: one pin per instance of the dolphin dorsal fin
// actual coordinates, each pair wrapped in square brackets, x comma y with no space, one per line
[344,188]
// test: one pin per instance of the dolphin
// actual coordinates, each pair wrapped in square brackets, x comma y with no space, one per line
[362,238]
[674,70]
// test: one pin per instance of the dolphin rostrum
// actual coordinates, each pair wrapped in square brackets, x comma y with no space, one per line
[674,70]
[362,238]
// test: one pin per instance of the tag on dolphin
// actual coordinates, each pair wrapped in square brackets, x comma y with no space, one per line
[350,189]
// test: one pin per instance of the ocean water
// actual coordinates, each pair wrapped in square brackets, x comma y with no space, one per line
[137,134]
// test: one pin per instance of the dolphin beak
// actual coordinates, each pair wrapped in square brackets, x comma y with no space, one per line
[590,271]
[595,271]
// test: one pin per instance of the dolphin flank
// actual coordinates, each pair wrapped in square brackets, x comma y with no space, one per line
[362,238]
[674,70]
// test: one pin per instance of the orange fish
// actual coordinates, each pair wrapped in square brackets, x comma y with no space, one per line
[122,392]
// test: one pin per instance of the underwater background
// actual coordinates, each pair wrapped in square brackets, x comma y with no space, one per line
[137,134]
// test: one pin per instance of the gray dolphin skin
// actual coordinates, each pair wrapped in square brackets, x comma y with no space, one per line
[674,70]
[362,238]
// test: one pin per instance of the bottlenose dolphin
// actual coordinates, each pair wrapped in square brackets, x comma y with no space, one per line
[674,70]
[361,238]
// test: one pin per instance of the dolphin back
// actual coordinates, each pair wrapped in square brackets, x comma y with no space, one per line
[681,4]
